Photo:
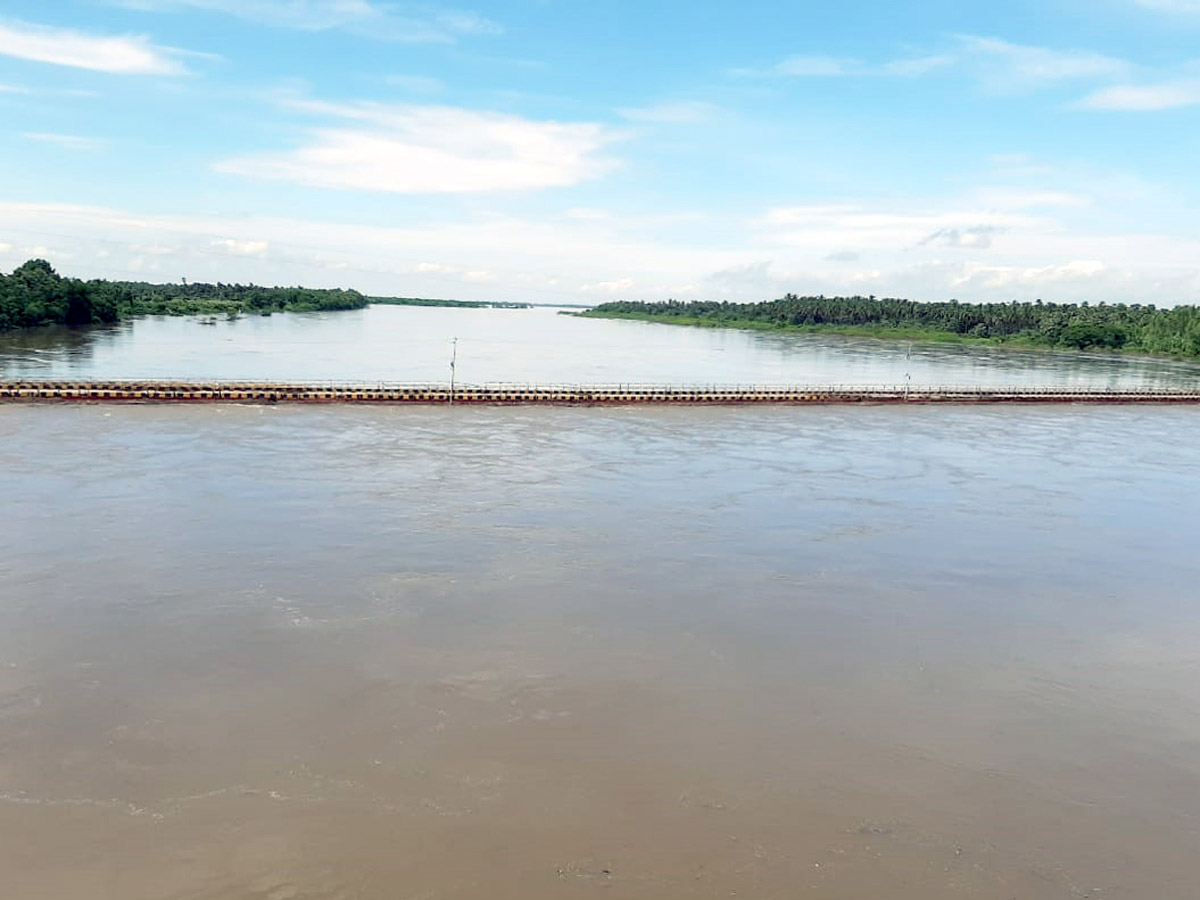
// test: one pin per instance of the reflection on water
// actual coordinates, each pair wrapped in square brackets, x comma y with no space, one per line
[389,343]
[511,653]
[35,350]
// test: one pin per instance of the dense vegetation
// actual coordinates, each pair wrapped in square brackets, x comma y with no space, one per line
[35,294]
[465,304]
[1137,328]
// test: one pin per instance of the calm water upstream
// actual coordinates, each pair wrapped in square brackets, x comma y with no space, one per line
[389,343]
[256,653]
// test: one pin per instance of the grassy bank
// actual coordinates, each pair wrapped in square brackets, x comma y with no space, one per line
[1145,330]
[869,331]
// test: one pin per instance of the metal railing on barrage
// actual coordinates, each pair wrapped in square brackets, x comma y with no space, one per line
[573,387]
[157,389]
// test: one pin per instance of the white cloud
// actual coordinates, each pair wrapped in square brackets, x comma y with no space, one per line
[616,286]
[126,55]
[754,276]
[831,229]
[155,249]
[490,258]
[919,65]
[434,149]
[671,113]
[978,237]
[66,141]
[1005,65]
[588,213]
[1185,7]
[241,248]
[1036,244]
[1007,198]
[808,66]
[467,23]
[427,268]
[1079,271]
[869,247]
[362,17]
[1144,98]
[796,215]
[998,64]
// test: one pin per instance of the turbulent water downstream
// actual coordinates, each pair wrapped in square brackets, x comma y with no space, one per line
[398,653]
[914,653]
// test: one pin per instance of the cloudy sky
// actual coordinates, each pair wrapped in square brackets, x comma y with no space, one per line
[561,150]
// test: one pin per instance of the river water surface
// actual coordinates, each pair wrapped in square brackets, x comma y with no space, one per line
[412,344]
[289,653]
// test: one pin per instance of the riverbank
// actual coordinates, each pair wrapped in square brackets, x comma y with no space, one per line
[865,331]
[1128,329]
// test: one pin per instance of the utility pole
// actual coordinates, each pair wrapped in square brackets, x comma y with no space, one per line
[453,360]
[907,372]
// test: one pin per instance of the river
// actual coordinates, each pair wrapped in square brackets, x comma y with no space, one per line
[413,344]
[288,653]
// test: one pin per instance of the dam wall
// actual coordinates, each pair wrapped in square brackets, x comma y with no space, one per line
[153,391]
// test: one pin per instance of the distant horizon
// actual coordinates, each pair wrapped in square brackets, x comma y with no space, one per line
[575,304]
[522,152]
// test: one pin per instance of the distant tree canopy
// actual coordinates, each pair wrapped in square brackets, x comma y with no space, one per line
[1136,327]
[35,294]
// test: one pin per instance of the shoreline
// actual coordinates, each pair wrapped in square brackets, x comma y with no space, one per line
[886,334]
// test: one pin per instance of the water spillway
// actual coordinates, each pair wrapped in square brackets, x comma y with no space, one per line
[154,391]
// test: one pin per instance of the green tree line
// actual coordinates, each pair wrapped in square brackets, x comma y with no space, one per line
[34,294]
[1133,327]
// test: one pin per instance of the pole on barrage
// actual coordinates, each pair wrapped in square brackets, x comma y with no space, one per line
[907,372]
[453,361]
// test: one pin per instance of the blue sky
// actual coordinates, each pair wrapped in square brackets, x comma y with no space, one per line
[550,150]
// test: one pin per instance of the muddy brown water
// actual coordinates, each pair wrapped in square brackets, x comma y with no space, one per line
[257,653]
